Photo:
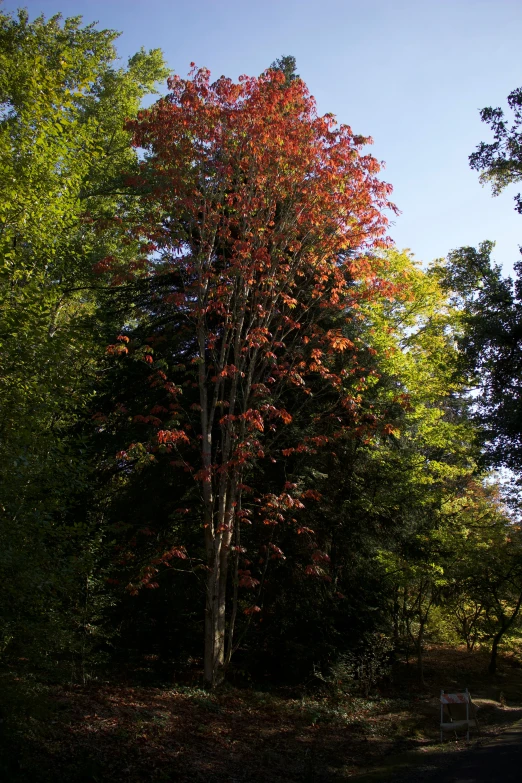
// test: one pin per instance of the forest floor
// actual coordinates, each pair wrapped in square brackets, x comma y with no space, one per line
[103,733]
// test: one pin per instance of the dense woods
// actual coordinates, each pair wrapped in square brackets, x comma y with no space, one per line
[243,436]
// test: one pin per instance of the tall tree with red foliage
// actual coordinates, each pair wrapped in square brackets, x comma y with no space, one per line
[265,216]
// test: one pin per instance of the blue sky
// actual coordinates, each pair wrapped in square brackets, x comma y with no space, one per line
[411,73]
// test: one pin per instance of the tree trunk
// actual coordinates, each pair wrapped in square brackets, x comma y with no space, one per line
[420,659]
[492,668]
[215,616]
[506,625]
[396,612]
[218,556]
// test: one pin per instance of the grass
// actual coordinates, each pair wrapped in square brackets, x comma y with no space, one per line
[104,733]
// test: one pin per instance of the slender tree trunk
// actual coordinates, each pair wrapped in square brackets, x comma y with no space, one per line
[215,617]
[406,617]
[420,659]
[221,607]
[233,615]
[216,599]
[212,652]
[215,621]
[492,668]
[396,610]
[506,625]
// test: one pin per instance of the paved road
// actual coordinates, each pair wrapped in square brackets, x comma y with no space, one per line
[499,761]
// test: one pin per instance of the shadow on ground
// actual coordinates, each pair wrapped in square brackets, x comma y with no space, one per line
[124,734]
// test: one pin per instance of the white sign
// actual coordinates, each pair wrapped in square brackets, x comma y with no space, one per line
[454,698]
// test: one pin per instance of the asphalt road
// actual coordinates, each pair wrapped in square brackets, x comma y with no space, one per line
[499,761]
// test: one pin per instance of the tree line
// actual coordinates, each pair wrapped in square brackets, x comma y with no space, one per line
[240,430]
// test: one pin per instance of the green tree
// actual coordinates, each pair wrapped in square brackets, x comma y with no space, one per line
[386,490]
[63,145]
[490,305]
[500,161]
[490,308]
[288,66]
[484,572]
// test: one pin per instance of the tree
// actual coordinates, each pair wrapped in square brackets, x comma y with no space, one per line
[490,345]
[262,218]
[504,588]
[490,305]
[63,105]
[373,555]
[489,574]
[501,161]
[428,460]
[62,148]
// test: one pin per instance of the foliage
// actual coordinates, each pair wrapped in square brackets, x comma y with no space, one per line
[362,670]
[387,491]
[287,65]
[489,339]
[261,217]
[62,147]
[222,386]
[501,160]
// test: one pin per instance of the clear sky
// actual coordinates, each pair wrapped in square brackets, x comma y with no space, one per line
[411,73]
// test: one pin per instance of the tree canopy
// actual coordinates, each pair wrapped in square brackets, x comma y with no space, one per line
[240,429]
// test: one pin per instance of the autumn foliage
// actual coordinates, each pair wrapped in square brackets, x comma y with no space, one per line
[264,218]
[226,396]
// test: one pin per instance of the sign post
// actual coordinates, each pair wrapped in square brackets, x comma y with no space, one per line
[449,700]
